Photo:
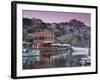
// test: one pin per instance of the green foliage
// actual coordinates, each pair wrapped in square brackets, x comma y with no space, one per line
[27,21]
[59,31]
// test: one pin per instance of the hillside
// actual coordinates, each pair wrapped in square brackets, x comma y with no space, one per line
[73,32]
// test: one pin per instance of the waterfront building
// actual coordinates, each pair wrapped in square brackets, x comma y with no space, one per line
[42,38]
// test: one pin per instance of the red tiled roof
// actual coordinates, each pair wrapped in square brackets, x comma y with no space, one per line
[45,32]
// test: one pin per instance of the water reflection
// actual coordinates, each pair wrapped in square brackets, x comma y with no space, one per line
[47,58]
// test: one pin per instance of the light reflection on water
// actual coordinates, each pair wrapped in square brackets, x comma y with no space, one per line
[51,59]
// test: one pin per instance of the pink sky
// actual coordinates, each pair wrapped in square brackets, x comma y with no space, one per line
[56,17]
